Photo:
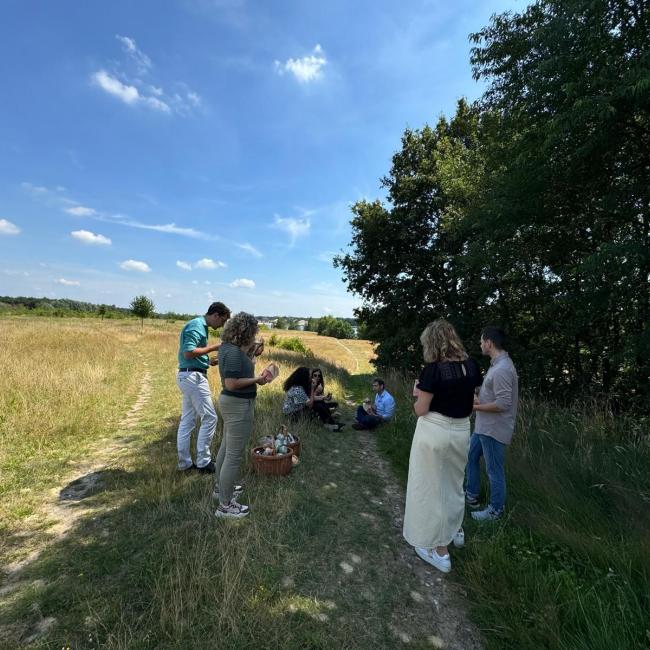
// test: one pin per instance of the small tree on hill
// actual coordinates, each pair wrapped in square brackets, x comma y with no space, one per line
[101,310]
[142,307]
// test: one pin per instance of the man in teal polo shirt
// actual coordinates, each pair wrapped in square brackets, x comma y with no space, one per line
[192,380]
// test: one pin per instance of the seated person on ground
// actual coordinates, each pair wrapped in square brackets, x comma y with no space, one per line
[371,416]
[319,389]
[299,399]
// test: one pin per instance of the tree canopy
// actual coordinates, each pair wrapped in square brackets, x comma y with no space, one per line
[529,208]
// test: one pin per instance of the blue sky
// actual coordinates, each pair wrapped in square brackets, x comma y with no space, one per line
[203,150]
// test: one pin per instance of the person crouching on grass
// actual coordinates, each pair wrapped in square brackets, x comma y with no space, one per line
[299,400]
[435,501]
[236,403]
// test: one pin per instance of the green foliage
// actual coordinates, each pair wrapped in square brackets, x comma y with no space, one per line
[143,307]
[529,209]
[338,328]
[295,344]
[281,323]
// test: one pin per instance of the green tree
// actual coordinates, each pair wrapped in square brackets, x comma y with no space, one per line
[101,310]
[142,307]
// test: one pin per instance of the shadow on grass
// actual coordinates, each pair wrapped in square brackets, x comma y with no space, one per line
[155,569]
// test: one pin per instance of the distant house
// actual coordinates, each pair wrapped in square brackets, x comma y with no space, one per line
[267,323]
[301,324]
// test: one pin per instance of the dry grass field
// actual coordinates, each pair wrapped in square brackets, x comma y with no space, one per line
[105,545]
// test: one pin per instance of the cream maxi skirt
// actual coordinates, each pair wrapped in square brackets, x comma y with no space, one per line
[435,501]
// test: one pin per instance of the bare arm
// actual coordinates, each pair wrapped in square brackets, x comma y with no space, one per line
[199,352]
[423,402]
[243,382]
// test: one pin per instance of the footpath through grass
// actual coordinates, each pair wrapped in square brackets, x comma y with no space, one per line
[148,566]
[569,566]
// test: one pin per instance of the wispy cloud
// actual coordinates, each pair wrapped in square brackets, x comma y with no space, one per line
[87,237]
[126,93]
[170,228]
[81,211]
[208,264]
[326,256]
[243,283]
[68,283]
[141,60]
[133,88]
[8,228]
[249,248]
[306,69]
[183,265]
[294,227]
[135,265]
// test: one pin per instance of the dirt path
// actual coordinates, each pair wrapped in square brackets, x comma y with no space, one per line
[446,598]
[64,505]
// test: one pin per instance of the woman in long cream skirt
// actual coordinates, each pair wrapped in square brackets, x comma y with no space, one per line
[435,501]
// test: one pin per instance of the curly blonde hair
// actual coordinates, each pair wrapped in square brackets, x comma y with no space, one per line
[240,330]
[440,342]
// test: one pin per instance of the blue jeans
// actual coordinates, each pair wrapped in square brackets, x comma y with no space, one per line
[368,421]
[494,453]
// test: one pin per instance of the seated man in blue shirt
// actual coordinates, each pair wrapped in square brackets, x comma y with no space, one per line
[382,410]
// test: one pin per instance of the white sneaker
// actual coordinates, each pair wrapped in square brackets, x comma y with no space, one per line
[441,562]
[238,490]
[459,538]
[233,510]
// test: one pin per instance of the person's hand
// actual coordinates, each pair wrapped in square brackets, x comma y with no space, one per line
[261,380]
[214,361]
[476,401]
[328,397]
[416,390]
[259,348]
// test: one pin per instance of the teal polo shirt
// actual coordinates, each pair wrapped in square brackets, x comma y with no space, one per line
[194,335]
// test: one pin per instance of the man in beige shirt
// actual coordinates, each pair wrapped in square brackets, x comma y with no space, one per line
[496,411]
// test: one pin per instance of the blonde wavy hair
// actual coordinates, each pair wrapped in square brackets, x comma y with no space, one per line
[440,342]
[240,330]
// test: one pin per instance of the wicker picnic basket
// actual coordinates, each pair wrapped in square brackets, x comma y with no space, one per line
[274,465]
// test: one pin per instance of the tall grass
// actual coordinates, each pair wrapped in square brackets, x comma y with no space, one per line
[149,566]
[568,567]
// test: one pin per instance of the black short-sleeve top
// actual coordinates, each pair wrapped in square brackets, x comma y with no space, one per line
[234,364]
[452,384]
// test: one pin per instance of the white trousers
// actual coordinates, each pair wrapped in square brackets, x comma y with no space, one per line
[197,403]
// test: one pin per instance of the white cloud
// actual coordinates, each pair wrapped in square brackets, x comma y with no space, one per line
[170,228]
[36,189]
[134,265]
[183,265]
[306,69]
[249,248]
[8,228]
[142,61]
[88,237]
[68,283]
[208,264]
[243,283]
[81,211]
[295,227]
[128,94]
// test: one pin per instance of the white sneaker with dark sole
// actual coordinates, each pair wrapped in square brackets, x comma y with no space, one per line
[238,490]
[459,538]
[233,510]
[441,562]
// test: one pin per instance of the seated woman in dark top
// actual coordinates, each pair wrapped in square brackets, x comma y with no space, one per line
[319,389]
[299,399]
[435,501]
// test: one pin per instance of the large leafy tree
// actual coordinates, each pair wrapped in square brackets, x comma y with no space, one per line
[530,209]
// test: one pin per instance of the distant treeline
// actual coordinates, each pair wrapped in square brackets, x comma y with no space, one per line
[62,307]
[341,328]
[529,208]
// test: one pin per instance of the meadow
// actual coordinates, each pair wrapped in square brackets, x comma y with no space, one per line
[104,545]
